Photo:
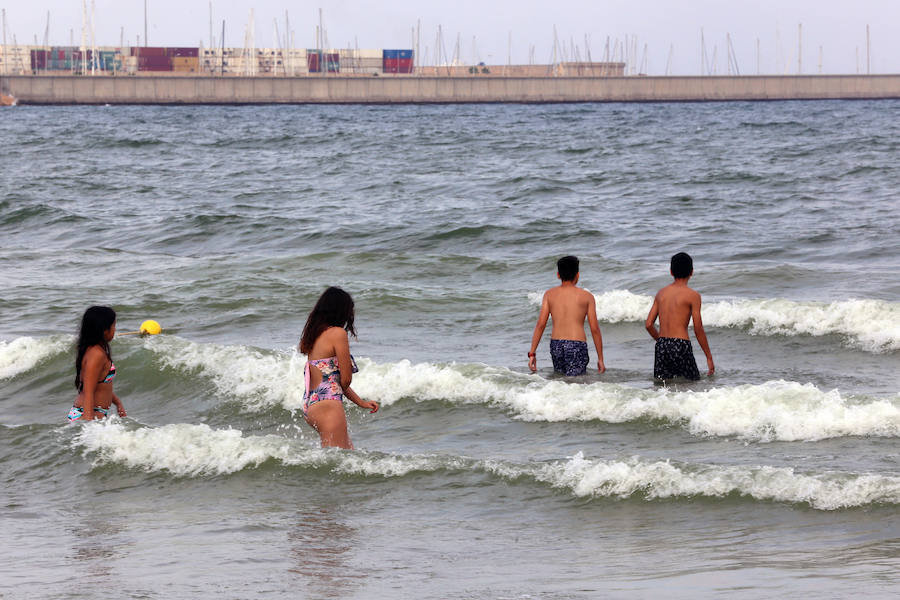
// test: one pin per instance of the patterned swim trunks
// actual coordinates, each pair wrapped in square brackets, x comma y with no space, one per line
[570,357]
[674,357]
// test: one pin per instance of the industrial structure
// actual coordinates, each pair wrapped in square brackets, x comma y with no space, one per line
[250,62]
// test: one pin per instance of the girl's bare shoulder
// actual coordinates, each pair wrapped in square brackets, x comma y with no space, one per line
[335,333]
[95,353]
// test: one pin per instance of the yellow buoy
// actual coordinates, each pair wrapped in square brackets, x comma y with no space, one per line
[150,327]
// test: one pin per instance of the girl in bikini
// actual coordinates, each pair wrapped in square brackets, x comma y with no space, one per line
[329,368]
[94,368]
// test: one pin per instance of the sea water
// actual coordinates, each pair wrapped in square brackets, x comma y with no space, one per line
[779,476]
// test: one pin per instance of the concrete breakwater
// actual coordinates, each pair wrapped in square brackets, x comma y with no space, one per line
[69,89]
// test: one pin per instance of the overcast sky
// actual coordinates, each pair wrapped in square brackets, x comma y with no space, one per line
[834,30]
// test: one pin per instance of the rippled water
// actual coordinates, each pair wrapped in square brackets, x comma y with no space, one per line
[779,476]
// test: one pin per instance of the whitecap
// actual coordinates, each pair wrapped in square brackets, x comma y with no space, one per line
[187,450]
[774,410]
[870,325]
[25,353]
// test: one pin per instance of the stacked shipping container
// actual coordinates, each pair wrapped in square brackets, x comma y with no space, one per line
[397,61]
[316,60]
[15,60]
[361,61]
[73,59]
[151,58]
[229,60]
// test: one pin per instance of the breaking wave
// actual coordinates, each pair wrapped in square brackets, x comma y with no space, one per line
[197,450]
[774,410]
[25,353]
[870,325]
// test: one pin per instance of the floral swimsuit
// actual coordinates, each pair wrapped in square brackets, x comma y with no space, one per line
[330,388]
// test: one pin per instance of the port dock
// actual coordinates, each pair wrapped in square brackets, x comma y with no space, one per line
[175,88]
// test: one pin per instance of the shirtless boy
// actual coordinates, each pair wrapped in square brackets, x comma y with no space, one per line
[675,305]
[569,306]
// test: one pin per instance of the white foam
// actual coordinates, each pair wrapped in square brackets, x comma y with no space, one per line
[189,450]
[662,479]
[198,450]
[870,325]
[775,410]
[181,449]
[25,353]
[360,463]
[258,379]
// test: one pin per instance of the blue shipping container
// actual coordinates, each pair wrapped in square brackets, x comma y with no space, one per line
[397,53]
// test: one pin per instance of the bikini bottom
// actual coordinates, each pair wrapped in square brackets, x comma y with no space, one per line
[77,412]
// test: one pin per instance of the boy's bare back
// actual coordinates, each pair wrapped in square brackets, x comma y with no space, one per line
[675,304]
[569,307]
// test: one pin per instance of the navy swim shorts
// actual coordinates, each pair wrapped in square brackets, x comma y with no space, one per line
[570,357]
[674,357]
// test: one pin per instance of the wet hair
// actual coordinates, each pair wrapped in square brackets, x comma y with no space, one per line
[94,324]
[682,265]
[567,267]
[333,309]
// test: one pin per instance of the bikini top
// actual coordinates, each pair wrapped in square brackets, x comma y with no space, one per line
[329,366]
[110,375]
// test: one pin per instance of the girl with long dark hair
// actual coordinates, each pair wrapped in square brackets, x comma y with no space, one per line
[94,367]
[329,367]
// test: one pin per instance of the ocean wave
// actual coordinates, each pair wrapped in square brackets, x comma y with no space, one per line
[25,353]
[771,411]
[870,325]
[43,214]
[666,479]
[259,379]
[186,450]
[180,449]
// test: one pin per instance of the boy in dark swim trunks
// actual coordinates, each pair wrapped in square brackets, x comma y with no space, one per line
[569,306]
[675,305]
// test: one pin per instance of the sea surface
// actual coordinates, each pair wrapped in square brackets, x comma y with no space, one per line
[777,477]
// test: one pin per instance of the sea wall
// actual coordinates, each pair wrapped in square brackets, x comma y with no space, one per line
[169,89]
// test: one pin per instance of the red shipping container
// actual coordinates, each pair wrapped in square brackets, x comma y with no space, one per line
[38,59]
[397,65]
[312,62]
[148,51]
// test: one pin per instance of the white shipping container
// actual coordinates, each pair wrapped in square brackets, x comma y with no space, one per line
[369,69]
[295,62]
[16,60]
